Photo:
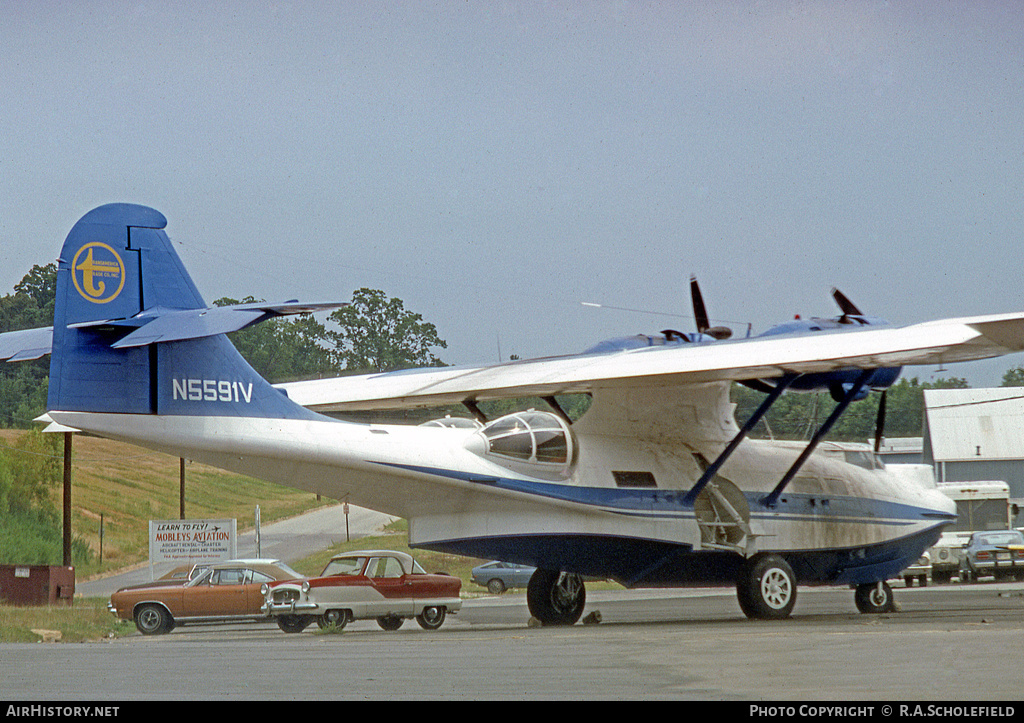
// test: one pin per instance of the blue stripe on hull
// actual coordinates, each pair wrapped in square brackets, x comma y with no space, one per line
[659,503]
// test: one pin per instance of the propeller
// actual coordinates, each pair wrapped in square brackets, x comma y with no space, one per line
[700,313]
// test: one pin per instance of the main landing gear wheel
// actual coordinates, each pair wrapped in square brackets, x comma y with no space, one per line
[556,598]
[766,588]
[874,598]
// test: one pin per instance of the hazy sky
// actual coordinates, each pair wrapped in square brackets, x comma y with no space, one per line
[495,164]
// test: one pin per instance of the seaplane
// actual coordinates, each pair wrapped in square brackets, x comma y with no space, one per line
[655,485]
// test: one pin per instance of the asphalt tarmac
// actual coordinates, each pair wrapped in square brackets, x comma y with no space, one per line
[947,643]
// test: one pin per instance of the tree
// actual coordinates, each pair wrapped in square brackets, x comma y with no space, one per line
[1014,377]
[378,333]
[23,385]
[40,283]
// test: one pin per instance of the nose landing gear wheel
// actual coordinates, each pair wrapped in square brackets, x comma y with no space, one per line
[556,598]
[874,597]
[766,588]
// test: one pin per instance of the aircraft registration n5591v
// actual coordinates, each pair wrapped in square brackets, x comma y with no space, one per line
[656,485]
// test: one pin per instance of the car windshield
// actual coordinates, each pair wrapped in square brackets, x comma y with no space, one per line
[344,566]
[289,572]
[1001,538]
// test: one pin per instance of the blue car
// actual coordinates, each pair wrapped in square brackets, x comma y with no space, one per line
[1000,554]
[498,576]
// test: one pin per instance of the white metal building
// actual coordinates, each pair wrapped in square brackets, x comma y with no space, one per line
[976,434]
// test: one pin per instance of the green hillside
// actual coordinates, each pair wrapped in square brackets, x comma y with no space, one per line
[128,486]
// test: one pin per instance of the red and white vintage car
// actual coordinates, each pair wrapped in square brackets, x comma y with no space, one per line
[385,585]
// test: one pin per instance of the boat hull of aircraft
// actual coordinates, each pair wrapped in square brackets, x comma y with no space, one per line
[655,485]
[838,523]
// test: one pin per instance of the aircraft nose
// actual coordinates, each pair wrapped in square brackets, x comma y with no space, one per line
[941,502]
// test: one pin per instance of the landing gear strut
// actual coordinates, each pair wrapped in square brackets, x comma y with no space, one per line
[556,598]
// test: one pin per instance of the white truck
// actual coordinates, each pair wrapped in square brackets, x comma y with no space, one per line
[979,506]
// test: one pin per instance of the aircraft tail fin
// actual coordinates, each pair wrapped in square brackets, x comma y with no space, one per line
[132,334]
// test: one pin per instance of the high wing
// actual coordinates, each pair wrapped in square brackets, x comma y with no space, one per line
[936,342]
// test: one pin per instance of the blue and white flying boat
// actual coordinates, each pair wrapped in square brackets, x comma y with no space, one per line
[656,485]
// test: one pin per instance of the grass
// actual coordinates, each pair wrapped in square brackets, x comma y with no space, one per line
[86,621]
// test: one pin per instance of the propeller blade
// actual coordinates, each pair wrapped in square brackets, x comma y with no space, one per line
[846,306]
[880,422]
[700,313]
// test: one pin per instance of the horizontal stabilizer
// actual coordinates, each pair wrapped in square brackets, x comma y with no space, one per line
[163,325]
[25,345]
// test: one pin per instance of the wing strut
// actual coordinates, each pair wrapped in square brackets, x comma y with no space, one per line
[773,497]
[557,408]
[712,470]
[470,404]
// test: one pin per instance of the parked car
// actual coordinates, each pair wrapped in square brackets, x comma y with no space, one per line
[999,553]
[178,576]
[498,576]
[920,571]
[222,592]
[385,585]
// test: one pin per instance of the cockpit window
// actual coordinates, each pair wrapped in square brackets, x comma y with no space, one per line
[863,458]
[530,437]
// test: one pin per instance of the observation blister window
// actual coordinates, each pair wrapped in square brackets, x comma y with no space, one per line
[538,437]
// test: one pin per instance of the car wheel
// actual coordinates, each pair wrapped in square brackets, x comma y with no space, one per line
[431,618]
[495,587]
[873,598]
[153,620]
[293,623]
[390,622]
[333,619]
[766,588]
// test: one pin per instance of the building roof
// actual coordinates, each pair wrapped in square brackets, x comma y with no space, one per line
[975,424]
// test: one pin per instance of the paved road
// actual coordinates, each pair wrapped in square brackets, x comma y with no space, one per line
[287,540]
[949,643]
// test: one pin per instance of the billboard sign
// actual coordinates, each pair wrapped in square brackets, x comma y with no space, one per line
[192,541]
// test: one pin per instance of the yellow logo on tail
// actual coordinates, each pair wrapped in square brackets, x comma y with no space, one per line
[102,272]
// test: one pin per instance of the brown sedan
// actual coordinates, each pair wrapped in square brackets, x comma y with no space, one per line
[226,592]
